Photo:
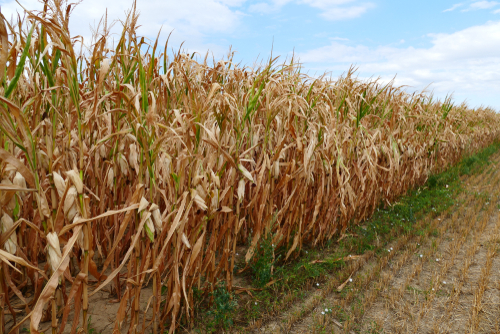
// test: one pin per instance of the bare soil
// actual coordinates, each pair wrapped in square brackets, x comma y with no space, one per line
[445,281]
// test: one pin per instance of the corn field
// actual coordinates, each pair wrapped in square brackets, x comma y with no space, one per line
[124,168]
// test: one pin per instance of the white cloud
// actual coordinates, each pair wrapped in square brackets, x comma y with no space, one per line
[263,8]
[483,4]
[477,5]
[345,13]
[326,3]
[191,20]
[330,9]
[232,3]
[452,8]
[334,10]
[466,62]
[339,39]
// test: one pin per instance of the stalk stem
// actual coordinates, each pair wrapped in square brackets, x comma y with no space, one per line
[86,242]
[54,316]
[2,301]
[155,293]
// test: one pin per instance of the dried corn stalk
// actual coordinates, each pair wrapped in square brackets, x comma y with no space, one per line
[194,157]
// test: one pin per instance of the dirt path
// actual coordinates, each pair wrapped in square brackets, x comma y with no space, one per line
[445,279]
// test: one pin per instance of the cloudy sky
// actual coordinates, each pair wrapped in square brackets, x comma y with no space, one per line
[452,46]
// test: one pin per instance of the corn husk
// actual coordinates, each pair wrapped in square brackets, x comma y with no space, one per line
[195,181]
[60,183]
[276,169]
[132,158]
[185,241]
[215,179]
[56,153]
[143,204]
[54,254]
[245,173]
[103,151]
[155,213]
[122,162]
[10,171]
[11,243]
[76,180]
[200,190]
[164,165]
[43,159]
[215,200]
[70,207]
[42,204]
[300,145]
[17,152]
[20,181]
[110,179]
[150,228]
[226,209]
[4,197]
[241,190]
[200,202]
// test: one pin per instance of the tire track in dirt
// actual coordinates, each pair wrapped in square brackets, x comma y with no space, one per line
[404,270]
[389,275]
[420,308]
[437,282]
[408,269]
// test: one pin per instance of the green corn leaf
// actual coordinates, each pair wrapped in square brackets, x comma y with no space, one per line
[16,209]
[310,90]
[253,105]
[149,233]
[176,180]
[20,66]
[130,73]
[56,61]
[144,90]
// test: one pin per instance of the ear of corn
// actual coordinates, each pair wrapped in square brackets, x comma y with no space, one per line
[99,137]
[11,243]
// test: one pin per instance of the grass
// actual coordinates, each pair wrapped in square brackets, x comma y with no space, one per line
[388,223]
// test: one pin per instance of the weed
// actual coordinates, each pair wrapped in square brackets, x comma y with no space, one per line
[224,304]
[375,328]
[341,313]
[264,260]
[415,290]
[91,330]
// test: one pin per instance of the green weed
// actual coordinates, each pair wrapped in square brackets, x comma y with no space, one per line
[264,261]
[224,304]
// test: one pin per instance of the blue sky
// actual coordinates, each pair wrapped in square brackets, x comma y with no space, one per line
[452,46]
